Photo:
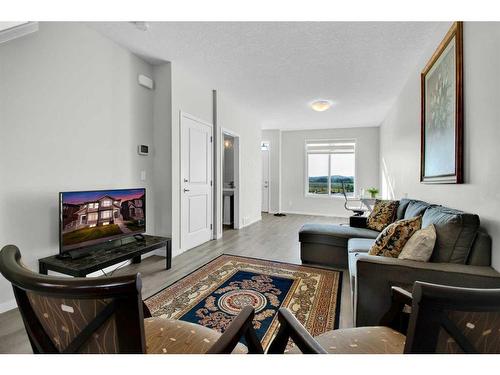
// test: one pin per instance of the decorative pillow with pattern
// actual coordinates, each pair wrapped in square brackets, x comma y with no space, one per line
[391,240]
[383,214]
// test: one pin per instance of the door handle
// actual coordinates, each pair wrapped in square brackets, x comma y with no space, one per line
[186,190]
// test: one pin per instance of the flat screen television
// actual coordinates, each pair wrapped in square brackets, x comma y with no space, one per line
[89,218]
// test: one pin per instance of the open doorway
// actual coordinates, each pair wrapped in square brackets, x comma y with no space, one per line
[230,181]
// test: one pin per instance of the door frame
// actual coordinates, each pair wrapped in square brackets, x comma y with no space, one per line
[237,177]
[269,177]
[183,115]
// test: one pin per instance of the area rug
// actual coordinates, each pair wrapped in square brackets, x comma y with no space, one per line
[216,292]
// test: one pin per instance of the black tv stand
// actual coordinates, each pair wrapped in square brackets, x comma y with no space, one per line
[81,262]
[139,237]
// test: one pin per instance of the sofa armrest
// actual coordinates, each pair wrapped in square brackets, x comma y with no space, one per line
[376,275]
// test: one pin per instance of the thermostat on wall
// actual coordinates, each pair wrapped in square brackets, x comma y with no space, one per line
[143,150]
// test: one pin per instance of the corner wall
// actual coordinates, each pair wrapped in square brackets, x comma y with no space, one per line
[193,94]
[71,117]
[400,135]
[294,199]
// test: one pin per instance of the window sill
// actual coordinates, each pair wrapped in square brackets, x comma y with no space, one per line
[326,196]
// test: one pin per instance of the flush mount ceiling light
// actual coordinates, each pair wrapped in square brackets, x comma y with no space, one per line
[321,105]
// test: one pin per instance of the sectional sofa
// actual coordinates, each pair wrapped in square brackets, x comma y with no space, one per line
[461,257]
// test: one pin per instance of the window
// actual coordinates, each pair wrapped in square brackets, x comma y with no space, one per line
[330,164]
[106,203]
[92,217]
[106,214]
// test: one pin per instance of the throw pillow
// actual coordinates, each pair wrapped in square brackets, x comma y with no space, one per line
[392,239]
[382,215]
[420,246]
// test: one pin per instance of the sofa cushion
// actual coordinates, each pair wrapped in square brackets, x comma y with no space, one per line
[456,231]
[357,246]
[383,214]
[480,254]
[391,240]
[415,208]
[333,234]
[420,246]
[360,245]
[403,205]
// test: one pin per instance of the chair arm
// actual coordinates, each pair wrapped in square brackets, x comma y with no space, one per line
[402,296]
[241,326]
[393,317]
[145,310]
[290,327]
[376,275]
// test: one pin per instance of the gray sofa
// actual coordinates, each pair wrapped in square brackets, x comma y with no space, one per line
[461,257]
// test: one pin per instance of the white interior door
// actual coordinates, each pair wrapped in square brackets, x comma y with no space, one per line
[196,181]
[265,180]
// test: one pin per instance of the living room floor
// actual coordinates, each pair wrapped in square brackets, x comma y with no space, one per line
[272,238]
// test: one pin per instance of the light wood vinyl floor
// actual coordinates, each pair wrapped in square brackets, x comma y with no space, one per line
[273,238]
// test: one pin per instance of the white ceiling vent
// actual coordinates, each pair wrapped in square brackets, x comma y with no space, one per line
[13,30]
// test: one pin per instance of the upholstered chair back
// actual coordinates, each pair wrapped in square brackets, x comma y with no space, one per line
[76,315]
[454,320]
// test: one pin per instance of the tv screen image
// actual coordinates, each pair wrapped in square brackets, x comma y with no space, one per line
[92,217]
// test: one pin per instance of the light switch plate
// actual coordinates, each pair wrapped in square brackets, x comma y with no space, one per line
[143,175]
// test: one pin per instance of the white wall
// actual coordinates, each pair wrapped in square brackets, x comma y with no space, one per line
[237,119]
[274,139]
[400,135]
[293,172]
[71,117]
[193,94]
[162,150]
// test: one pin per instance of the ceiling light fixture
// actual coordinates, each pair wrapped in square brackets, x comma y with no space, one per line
[321,105]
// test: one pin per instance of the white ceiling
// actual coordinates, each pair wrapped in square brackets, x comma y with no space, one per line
[277,68]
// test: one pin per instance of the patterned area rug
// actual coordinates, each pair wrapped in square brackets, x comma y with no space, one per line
[215,293]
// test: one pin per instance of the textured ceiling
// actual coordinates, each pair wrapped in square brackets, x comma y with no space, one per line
[277,68]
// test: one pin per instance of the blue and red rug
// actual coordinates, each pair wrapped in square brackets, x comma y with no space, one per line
[215,293]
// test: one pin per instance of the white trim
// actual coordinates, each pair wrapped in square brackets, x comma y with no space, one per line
[322,129]
[196,119]
[255,220]
[18,31]
[8,305]
[237,191]
[314,214]
[306,167]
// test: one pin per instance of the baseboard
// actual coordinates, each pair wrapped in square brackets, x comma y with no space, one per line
[313,214]
[251,222]
[8,305]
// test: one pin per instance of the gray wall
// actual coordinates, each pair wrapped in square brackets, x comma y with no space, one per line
[293,177]
[400,135]
[71,117]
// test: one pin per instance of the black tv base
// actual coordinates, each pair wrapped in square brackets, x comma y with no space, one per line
[100,257]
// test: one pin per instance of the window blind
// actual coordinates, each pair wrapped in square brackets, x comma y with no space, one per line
[330,147]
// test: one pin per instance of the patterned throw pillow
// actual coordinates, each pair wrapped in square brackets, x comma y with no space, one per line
[392,239]
[420,246]
[382,215]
